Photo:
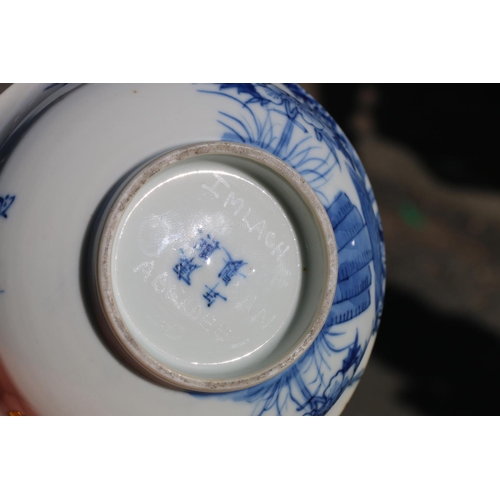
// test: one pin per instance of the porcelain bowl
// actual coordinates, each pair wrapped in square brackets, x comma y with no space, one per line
[182,249]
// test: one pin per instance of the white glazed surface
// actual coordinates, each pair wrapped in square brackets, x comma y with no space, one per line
[222,329]
[60,172]
[170,316]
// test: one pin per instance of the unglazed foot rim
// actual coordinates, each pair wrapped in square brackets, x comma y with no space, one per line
[116,329]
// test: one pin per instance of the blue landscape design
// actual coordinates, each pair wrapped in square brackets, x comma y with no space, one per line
[294,127]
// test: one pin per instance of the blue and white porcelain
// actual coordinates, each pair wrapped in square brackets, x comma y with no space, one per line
[183,249]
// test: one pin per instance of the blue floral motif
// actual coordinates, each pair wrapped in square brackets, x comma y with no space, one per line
[293,126]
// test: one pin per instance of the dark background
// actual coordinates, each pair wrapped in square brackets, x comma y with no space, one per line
[432,155]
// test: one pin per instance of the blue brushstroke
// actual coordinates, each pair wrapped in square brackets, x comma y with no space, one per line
[211,295]
[310,398]
[231,268]
[206,246]
[257,125]
[5,203]
[52,85]
[184,268]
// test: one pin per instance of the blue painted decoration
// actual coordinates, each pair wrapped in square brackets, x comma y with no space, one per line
[211,295]
[363,190]
[231,269]
[53,85]
[206,246]
[293,126]
[309,385]
[355,254]
[259,123]
[5,203]
[184,268]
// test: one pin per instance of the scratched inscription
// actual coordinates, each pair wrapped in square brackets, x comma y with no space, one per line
[222,188]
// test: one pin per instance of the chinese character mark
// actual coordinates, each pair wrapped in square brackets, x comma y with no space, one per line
[5,204]
[207,247]
[231,269]
[184,268]
[211,295]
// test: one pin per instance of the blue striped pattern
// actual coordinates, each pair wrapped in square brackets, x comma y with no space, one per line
[355,253]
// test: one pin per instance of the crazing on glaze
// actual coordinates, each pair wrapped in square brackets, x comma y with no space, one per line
[295,128]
